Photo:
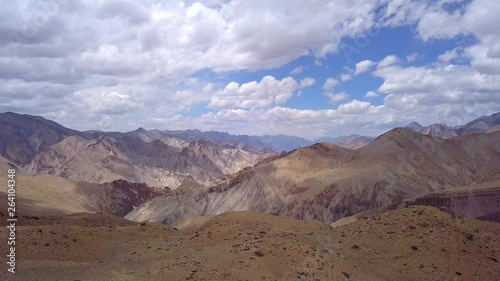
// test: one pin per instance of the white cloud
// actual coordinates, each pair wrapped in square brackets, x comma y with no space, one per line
[330,83]
[388,61]
[307,82]
[265,93]
[297,70]
[334,98]
[345,77]
[449,55]
[185,99]
[371,94]
[100,102]
[328,91]
[281,120]
[354,107]
[135,57]
[413,57]
[484,59]
[439,24]
[363,66]
[449,92]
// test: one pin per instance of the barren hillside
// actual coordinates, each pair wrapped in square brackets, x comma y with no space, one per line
[416,243]
[327,182]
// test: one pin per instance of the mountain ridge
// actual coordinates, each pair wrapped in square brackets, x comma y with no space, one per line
[327,182]
[482,124]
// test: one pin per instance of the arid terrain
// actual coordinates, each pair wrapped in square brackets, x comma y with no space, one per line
[49,195]
[250,140]
[158,159]
[406,206]
[326,182]
[415,243]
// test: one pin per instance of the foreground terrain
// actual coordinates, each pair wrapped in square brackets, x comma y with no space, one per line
[414,243]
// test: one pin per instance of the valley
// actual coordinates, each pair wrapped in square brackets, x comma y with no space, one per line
[148,204]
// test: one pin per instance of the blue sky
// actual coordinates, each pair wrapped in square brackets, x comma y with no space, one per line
[312,69]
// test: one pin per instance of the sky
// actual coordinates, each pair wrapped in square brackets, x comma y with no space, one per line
[306,68]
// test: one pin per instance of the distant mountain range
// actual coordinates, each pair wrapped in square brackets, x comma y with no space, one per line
[163,158]
[351,142]
[485,124]
[158,159]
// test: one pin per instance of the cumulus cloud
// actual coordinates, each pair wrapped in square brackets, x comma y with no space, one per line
[448,55]
[354,107]
[334,98]
[297,70]
[413,57]
[371,94]
[363,66]
[307,82]
[346,76]
[265,93]
[330,83]
[84,62]
[388,61]
[102,44]
[328,91]
[100,102]
[460,91]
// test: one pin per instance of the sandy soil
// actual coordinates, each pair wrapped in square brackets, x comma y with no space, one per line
[416,243]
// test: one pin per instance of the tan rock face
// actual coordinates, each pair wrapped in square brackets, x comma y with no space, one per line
[155,163]
[43,195]
[481,201]
[155,158]
[327,182]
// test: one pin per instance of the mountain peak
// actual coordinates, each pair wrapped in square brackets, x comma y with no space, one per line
[414,126]
[141,130]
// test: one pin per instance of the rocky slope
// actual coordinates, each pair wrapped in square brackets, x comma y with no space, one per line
[485,124]
[326,182]
[353,141]
[152,157]
[48,195]
[416,243]
[255,144]
[480,201]
[155,163]
[23,136]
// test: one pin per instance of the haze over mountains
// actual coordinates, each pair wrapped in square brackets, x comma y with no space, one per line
[485,124]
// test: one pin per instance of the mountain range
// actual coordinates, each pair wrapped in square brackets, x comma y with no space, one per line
[485,124]
[179,174]
[155,158]
[326,182]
